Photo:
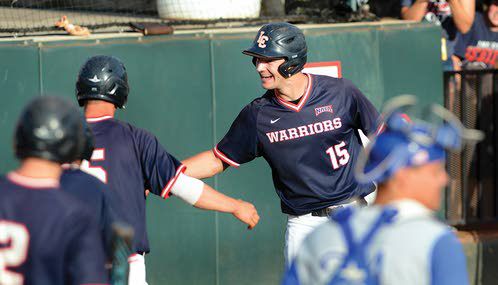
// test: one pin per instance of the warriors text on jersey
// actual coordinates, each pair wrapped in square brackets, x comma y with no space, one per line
[310,146]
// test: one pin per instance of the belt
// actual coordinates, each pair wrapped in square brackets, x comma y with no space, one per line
[328,211]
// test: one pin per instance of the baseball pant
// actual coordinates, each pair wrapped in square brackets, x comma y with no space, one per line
[136,274]
[298,227]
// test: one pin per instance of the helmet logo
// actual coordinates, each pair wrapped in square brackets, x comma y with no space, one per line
[95,79]
[262,40]
[113,89]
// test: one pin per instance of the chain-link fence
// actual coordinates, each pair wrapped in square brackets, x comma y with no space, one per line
[471,198]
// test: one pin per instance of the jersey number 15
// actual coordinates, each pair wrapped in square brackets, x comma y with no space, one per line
[338,155]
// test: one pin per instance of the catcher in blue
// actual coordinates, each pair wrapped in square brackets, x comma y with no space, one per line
[47,236]
[305,127]
[130,160]
[398,240]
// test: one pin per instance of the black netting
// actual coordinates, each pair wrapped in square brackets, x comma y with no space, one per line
[21,17]
[471,195]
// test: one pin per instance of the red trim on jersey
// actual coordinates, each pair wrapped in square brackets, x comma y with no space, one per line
[98,119]
[165,192]
[223,157]
[31,182]
[303,100]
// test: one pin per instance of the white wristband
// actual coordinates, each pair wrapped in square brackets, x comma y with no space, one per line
[187,188]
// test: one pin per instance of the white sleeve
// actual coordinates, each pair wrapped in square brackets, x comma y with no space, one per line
[187,188]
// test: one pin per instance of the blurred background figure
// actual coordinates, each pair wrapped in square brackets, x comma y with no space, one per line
[453,15]
[398,240]
[478,48]
[46,236]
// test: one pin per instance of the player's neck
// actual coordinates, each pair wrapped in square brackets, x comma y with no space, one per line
[294,87]
[96,109]
[39,168]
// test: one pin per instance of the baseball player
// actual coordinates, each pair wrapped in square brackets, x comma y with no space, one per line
[305,126]
[131,160]
[398,240]
[91,190]
[47,236]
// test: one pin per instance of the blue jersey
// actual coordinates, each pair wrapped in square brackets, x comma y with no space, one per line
[400,243]
[130,160]
[46,236]
[480,44]
[96,197]
[310,146]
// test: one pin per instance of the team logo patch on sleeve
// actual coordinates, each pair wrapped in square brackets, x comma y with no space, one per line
[323,109]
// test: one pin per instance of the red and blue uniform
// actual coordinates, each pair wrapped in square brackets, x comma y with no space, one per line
[47,236]
[310,145]
[130,160]
[96,196]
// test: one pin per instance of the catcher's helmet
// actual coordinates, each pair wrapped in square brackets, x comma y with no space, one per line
[103,78]
[281,40]
[49,128]
[88,144]
[407,142]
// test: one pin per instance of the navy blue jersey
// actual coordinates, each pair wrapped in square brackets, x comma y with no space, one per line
[479,44]
[46,236]
[310,146]
[96,197]
[130,160]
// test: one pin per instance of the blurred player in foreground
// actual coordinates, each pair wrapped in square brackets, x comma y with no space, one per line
[47,236]
[90,190]
[398,240]
[306,128]
[131,160]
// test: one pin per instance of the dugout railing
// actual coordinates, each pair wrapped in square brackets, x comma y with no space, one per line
[471,199]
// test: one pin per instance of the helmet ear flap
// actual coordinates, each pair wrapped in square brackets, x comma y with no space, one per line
[292,66]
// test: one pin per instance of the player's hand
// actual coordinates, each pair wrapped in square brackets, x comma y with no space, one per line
[246,213]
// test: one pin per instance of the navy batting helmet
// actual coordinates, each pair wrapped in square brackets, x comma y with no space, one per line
[281,40]
[407,142]
[103,78]
[49,128]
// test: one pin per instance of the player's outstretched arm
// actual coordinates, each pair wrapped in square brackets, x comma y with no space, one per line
[211,199]
[203,165]
[202,196]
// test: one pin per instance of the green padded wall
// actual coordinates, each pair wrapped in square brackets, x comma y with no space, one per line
[187,89]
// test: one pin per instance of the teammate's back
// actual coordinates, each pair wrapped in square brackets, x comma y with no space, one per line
[96,196]
[136,163]
[50,234]
[46,236]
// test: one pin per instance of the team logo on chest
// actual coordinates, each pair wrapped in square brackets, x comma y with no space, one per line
[323,109]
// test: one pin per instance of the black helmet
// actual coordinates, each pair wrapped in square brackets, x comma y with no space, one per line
[89,144]
[281,40]
[49,128]
[103,78]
